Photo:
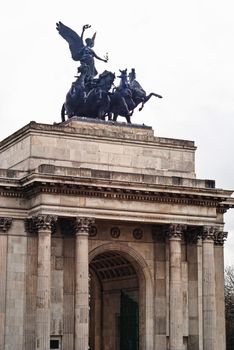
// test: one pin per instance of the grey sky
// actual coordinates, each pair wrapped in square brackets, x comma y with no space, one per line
[180,49]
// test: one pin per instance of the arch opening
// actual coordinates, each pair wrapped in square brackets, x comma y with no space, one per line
[114,302]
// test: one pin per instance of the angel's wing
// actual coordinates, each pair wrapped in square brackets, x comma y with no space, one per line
[74,40]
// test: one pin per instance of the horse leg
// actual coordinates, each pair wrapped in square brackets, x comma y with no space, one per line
[147,99]
[124,105]
[115,117]
[63,113]
[128,119]
[142,105]
[150,95]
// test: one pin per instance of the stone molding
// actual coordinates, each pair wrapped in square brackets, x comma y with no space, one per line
[131,194]
[82,225]
[176,231]
[220,237]
[5,223]
[38,223]
[222,209]
[117,193]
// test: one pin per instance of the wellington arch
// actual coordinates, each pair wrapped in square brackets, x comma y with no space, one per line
[108,241]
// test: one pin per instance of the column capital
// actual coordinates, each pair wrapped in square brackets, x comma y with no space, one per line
[5,223]
[220,237]
[176,231]
[209,232]
[41,222]
[82,225]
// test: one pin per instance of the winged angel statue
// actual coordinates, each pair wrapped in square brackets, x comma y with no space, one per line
[97,97]
[80,51]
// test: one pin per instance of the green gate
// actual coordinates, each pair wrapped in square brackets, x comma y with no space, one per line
[129,323]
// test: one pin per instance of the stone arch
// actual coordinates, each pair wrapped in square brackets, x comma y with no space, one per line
[145,287]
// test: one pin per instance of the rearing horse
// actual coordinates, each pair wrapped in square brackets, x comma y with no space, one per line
[122,103]
[138,93]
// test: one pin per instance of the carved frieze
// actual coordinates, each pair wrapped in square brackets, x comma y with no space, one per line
[5,224]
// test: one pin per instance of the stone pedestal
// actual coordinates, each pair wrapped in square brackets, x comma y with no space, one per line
[209,301]
[175,292]
[82,283]
[44,224]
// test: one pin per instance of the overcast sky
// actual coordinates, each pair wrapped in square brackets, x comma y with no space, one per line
[180,49]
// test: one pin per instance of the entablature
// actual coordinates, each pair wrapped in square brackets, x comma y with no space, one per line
[115,185]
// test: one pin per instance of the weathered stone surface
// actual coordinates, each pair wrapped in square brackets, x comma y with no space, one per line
[52,272]
[79,143]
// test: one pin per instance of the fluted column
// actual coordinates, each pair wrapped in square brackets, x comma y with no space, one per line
[5,223]
[219,239]
[44,224]
[208,288]
[82,227]
[175,293]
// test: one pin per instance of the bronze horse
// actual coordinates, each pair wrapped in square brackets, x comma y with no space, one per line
[127,96]
[89,99]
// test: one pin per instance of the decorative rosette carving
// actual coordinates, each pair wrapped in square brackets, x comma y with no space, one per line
[93,231]
[137,233]
[5,224]
[115,232]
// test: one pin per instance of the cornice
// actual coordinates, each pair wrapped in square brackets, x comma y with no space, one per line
[114,190]
[70,131]
[88,190]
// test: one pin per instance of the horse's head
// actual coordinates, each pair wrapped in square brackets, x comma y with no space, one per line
[123,74]
[106,80]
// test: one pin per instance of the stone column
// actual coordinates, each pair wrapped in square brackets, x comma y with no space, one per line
[44,224]
[175,289]
[5,224]
[208,288]
[219,239]
[82,227]
[194,262]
